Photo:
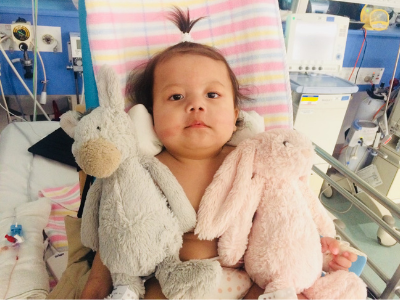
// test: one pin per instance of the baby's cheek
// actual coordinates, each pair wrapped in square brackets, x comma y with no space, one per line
[167,133]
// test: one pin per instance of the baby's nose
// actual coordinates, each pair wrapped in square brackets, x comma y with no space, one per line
[196,104]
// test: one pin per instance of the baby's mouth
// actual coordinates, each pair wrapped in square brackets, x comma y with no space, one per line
[197,124]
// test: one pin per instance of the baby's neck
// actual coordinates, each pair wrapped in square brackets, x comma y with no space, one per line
[195,158]
[194,174]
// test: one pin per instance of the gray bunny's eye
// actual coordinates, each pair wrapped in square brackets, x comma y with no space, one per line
[98,128]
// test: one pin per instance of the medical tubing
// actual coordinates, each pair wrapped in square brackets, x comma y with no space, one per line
[76,87]
[83,90]
[44,70]
[362,45]
[34,20]
[5,103]
[22,81]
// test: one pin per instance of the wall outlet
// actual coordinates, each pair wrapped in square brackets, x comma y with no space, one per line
[364,76]
[48,38]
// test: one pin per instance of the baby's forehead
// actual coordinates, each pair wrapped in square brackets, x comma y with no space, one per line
[189,64]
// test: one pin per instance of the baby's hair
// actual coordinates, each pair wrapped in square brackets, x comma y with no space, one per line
[139,88]
[182,21]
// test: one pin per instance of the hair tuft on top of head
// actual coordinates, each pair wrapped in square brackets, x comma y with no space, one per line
[182,20]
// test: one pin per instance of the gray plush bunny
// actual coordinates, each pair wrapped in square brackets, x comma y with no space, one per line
[136,212]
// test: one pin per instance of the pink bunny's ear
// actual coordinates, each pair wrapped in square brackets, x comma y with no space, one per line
[233,243]
[225,196]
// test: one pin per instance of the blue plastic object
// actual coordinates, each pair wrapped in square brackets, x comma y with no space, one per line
[16,229]
[358,266]
[91,95]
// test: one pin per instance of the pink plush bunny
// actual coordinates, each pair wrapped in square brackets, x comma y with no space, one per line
[260,206]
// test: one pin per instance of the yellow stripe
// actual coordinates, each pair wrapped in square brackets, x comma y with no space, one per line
[268,119]
[261,78]
[57,193]
[309,99]
[245,36]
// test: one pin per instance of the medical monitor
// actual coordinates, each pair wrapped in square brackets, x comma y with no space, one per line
[315,42]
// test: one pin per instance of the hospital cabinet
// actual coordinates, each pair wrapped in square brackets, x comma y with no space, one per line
[319,107]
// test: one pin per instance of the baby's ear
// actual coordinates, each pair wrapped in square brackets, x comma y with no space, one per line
[68,122]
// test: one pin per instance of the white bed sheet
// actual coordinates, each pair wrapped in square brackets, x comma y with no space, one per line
[23,174]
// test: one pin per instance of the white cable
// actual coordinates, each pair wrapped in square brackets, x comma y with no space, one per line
[43,95]
[22,81]
[5,103]
[44,70]
[34,20]
[327,206]
[83,91]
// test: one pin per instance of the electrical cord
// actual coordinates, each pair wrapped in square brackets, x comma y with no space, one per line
[362,59]
[5,103]
[327,206]
[362,45]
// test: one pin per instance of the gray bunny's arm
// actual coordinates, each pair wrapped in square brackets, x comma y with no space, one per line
[173,191]
[90,217]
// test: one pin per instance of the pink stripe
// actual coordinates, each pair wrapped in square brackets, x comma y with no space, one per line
[248,47]
[55,227]
[57,218]
[72,202]
[58,238]
[271,109]
[272,87]
[277,126]
[259,67]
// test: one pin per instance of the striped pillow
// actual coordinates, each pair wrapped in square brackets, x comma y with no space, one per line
[65,200]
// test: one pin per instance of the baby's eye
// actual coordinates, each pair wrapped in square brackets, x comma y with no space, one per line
[212,95]
[176,97]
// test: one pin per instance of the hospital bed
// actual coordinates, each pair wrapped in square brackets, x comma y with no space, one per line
[248,33]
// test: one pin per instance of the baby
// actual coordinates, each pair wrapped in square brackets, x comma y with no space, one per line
[194,98]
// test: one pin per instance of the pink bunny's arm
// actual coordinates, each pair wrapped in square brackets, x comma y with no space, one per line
[233,243]
[324,223]
[224,197]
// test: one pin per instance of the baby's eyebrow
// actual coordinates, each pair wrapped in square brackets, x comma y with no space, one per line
[169,86]
[216,82]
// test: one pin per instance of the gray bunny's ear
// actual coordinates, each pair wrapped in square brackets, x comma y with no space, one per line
[68,122]
[108,86]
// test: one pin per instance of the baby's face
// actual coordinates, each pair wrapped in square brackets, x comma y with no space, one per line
[193,105]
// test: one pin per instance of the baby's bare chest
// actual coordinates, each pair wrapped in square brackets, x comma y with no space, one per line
[194,184]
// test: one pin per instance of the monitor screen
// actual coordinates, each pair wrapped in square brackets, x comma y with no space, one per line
[315,42]
[316,46]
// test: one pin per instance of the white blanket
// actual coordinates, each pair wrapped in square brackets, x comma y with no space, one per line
[22,174]
[26,277]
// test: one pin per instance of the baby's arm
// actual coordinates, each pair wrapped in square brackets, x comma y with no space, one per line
[99,284]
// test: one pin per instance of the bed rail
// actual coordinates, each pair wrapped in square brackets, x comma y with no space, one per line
[392,283]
